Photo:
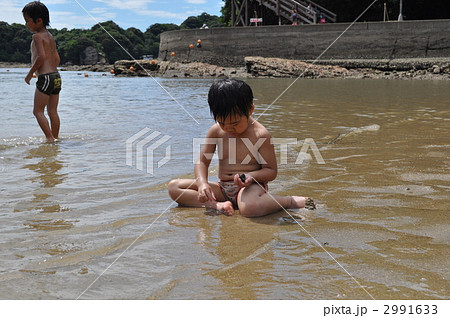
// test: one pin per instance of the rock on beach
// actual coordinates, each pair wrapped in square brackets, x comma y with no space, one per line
[174,69]
[255,66]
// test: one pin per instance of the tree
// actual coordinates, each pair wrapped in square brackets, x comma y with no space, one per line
[156,29]
[14,43]
[212,21]
[151,36]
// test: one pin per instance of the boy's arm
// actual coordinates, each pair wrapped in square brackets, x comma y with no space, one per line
[205,192]
[268,171]
[39,59]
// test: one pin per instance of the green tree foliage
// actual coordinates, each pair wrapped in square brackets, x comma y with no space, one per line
[15,42]
[212,21]
[151,36]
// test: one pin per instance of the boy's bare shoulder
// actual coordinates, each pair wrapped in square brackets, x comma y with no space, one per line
[44,36]
[214,131]
[260,131]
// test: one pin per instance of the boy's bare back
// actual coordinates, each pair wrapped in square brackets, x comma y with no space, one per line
[44,46]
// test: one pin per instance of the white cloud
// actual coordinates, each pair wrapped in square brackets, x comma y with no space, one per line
[139,13]
[163,14]
[134,5]
[196,1]
[140,7]
[52,2]
[11,11]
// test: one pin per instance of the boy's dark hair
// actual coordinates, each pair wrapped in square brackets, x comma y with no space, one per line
[229,96]
[36,10]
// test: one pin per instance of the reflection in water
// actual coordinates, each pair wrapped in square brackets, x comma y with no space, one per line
[48,165]
[48,175]
[244,249]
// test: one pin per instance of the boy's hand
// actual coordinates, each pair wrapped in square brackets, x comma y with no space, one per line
[238,180]
[205,193]
[28,78]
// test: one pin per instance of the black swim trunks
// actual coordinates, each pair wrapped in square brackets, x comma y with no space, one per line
[49,84]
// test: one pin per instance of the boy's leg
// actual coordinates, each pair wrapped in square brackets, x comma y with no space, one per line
[185,193]
[254,201]
[52,111]
[40,101]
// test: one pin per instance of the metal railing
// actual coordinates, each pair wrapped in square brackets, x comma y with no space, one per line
[305,13]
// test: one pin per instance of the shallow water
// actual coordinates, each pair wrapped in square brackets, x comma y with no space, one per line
[77,221]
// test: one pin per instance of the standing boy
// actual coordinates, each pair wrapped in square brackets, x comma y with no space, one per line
[44,59]
[247,159]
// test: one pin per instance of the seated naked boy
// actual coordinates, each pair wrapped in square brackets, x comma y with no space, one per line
[247,161]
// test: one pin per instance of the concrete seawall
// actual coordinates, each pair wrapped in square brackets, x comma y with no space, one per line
[368,40]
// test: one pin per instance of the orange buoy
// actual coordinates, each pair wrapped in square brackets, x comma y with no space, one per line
[153,62]
[131,68]
[111,71]
[34,75]
[86,75]
[199,41]
[172,54]
[191,46]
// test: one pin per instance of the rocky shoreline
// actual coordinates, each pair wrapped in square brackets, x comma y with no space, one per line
[418,68]
[254,66]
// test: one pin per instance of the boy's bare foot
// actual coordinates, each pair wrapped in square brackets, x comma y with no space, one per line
[225,207]
[302,202]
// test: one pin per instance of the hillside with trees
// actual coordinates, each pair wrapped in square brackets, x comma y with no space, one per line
[15,40]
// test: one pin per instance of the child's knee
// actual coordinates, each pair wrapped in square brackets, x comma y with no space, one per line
[37,112]
[52,113]
[173,188]
[250,209]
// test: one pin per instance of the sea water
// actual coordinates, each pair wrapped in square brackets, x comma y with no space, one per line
[89,217]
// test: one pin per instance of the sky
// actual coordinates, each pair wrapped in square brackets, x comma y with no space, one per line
[140,14]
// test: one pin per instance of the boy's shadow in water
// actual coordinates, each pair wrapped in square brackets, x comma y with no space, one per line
[49,176]
[244,247]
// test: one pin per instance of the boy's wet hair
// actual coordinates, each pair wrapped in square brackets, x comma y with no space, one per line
[229,96]
[36,10]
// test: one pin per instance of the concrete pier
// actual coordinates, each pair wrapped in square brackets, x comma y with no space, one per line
[365,40]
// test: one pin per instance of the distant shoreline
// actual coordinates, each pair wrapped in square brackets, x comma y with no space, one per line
[14,65]
[91,68]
